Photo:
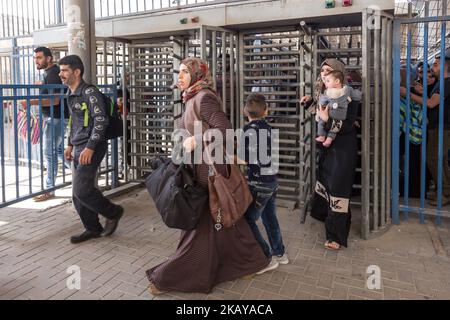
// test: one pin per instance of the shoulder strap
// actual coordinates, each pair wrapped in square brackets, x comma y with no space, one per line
[196,113]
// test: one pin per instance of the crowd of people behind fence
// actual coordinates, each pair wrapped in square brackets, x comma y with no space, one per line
[425,90]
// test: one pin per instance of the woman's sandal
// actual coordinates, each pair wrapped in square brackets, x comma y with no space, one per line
[332,245]
[249,276]
[154,290]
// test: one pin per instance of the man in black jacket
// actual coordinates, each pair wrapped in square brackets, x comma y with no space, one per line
[87,126]
[54,122]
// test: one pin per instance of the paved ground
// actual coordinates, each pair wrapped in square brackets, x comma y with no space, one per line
[35,254]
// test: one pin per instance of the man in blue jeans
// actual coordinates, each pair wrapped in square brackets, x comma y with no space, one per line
[54,123]
[262,181]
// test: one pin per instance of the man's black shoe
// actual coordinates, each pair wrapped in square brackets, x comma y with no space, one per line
[111,224]
[86,235]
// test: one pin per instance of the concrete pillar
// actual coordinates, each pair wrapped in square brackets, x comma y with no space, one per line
[80,17]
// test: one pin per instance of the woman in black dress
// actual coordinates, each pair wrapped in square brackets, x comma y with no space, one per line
[336,167]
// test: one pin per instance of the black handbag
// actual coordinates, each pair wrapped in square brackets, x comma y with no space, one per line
[178,197]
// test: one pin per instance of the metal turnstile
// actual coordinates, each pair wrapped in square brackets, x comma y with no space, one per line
[278,64]
[153,68]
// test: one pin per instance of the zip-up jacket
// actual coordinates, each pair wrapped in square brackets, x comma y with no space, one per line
[88,116]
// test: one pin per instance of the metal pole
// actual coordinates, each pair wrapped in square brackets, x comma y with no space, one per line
[389,117]
[305,29]
[30,183]
[408,121]
[116,141]
[16,142]
[315,65]
[133,108]
[41,145]
[105,63]
[302,125]
[376,151]
[384,115]
[125,122]
[441,116]
[224,71]
[424,116]
[232,84]
[105,82]
[114,62]
[214,59]
[365,145]
[241,80]
[396,121]
[2,146]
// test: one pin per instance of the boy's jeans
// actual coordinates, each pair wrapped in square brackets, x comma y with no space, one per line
[264,206]
[53,147]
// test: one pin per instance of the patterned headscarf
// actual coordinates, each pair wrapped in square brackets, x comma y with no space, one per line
[200,77]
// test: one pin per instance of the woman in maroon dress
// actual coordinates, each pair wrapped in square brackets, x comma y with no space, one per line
[206,257]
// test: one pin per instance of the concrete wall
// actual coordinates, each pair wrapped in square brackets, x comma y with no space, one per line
[234,15]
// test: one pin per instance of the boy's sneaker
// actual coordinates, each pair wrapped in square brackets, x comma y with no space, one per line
[281,259]
[272,265]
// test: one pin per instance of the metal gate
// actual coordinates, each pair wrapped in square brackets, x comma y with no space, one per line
[219,47]
[153,69]
[110,71]
[434,31]
[285,60]
[282,63]
[376,122]
[278,64]
[154,66]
